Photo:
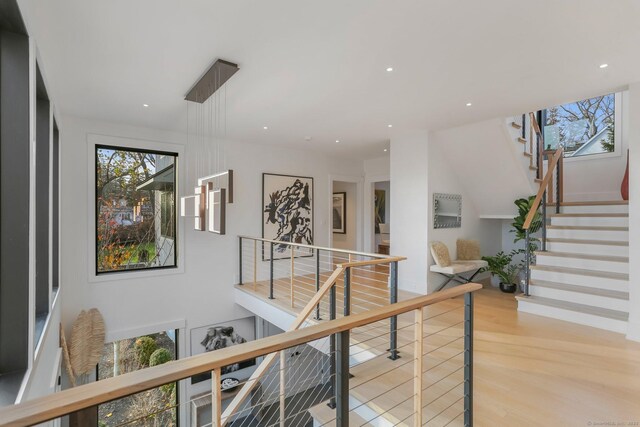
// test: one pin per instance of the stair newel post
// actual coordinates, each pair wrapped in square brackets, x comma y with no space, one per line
[544,222]
[318,282]
[527,262]
[271,270]
[468,359]
[332,348]
[240,260]
[393,321]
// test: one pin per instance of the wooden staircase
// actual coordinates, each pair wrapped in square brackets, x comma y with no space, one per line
[583,277]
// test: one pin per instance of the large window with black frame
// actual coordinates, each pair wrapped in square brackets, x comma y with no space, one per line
[582,128]
[135,209]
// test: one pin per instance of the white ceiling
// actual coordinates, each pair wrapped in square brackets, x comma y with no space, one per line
[318,68]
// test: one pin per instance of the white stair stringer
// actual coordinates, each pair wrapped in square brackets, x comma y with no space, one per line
[583,276]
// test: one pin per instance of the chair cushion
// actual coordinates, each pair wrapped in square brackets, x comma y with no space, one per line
[458,267]
[440,254]
[467,250]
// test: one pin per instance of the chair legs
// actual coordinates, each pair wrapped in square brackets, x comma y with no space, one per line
[457,278]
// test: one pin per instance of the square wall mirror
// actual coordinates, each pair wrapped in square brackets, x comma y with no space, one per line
[447,210]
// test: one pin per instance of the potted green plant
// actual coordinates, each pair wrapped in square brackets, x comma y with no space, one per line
[524,206]
[501,265]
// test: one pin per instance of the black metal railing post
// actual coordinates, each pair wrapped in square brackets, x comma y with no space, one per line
[544,221]
[524,128]
[468,359]
[347,291]
[240,260]
[527,261]
[538,157]
[393,321]
[318,282]
[332,348]
[342,380]
[271,271]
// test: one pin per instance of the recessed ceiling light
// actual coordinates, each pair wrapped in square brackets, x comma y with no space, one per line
[468,104]
[385,150]
[390,69]
[604,65]
[145,105]
[337,141]
[265,127]
[389,126]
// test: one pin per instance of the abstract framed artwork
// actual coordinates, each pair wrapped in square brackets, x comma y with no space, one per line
[223,335]
[339,213]
[287,214]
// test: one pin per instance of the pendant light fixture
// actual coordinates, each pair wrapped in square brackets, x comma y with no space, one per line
[206,121]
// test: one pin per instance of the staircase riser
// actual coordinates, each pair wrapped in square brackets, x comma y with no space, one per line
[615,236]
[574,317]
[598,209]
[586,264]
[579,221]
[588,249]
[580,298]
[579,280]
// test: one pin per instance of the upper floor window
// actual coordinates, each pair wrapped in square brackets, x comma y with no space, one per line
[583,128]
[135,209]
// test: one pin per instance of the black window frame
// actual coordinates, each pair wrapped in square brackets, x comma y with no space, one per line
[175,155]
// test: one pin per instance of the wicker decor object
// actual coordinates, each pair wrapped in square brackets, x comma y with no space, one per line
[87,342]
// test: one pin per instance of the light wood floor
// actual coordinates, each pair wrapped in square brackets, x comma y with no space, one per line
[529,370]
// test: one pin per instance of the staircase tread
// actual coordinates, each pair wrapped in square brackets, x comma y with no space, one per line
[581,308]
[584,256]
[516,125]
[589,227]
[595,203]
[533,168]
[583,272]
[587,241]
[527,154]
[590,215]
[582,289]
[522,140]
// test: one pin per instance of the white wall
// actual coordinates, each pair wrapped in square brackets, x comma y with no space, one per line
[634,212]
[201,292]
[487,160]
[410,207]
[598,177]
[444,179]
[348,240]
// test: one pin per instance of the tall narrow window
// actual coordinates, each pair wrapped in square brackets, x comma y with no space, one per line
[135,209]
[582,128]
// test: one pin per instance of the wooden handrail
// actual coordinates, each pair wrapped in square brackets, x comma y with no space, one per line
[371,262]
[77,398]
[543,186]
[268,360]
[322,248]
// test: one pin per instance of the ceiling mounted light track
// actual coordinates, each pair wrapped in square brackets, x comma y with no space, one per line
[212,80]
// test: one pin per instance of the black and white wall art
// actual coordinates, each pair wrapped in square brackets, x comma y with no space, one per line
[227,334]
[287,213]
[339,213]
